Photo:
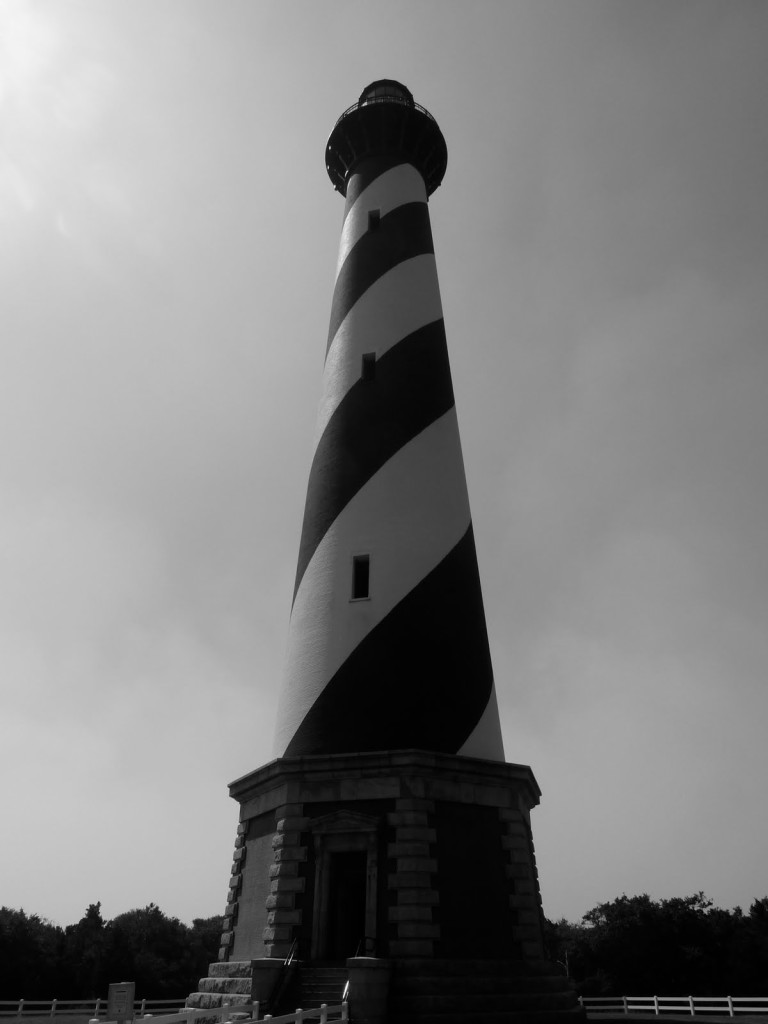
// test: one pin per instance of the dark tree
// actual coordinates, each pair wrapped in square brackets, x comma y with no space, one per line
[84,961]
[30,950]
[153,950]
[204,943]
[681,946]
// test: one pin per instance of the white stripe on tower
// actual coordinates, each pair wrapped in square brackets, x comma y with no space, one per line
[399,185]
[413,510]
[403,300]
[387,644]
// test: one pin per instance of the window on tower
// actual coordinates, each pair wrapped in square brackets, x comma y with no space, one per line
[368,369]
[361,577]
[374,219]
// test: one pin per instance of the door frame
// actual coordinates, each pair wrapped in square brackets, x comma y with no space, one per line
[342,832]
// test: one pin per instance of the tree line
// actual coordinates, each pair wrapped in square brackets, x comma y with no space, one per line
[162,955]
[631,946]
[682,946]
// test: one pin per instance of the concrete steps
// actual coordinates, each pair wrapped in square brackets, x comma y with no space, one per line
[226,983]
[313,986]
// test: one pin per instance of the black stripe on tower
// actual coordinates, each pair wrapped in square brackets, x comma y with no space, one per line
[412,389]
[403,233]
[421,678]
[368,171]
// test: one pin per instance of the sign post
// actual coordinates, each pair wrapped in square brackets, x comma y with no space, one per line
[120,1001]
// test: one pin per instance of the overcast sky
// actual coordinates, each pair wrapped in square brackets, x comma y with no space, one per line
[168,240]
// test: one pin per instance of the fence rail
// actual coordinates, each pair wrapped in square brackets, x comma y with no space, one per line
[163,1011]
[79,1007]
[729,1006]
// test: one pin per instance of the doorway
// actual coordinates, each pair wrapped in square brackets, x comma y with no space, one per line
[347,899]
[346,883]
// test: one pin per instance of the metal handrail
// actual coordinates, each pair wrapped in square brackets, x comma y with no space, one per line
[291,953]
[283,977]
[365,943]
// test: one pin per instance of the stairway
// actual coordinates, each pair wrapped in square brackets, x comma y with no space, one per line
[313,986]
[478,992]
[226,983]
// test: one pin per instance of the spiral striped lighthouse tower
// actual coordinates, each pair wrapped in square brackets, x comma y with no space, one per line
[388,836]
[388,646]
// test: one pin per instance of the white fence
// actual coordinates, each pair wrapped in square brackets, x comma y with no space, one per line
[165,1011]
[81,1007]
[240,1013]
[723,1005]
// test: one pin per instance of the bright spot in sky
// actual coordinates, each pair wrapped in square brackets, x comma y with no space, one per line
[53,94]
[28,43]
[28,46]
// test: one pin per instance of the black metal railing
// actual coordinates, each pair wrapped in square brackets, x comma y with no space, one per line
[366,946]
[284,977]
[400,101]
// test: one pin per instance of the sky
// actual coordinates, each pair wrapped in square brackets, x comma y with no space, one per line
[168,241]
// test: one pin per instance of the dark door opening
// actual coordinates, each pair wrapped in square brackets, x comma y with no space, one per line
[346,903]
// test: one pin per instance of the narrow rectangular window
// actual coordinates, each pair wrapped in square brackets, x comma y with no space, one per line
[368,371]
[361,577]
[374,219]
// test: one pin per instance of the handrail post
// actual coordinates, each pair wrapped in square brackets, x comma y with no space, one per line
[345,1011]
[730,1006]
[323,1013]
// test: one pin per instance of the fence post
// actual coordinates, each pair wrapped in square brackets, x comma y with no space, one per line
[656,1005]
[625,1004]
[345,1011]
[730,1006]
[691,1005]
[21,1008]
[299,1015]
[323,1013]
[98,1008]
[53,1007]
[143,1007]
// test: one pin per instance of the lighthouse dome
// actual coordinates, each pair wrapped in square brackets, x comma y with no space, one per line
[386,90]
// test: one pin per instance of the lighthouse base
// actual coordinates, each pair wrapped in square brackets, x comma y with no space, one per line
[396,854]
[410,866]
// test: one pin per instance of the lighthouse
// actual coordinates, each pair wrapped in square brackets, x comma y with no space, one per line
[388,840]
[387,645]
